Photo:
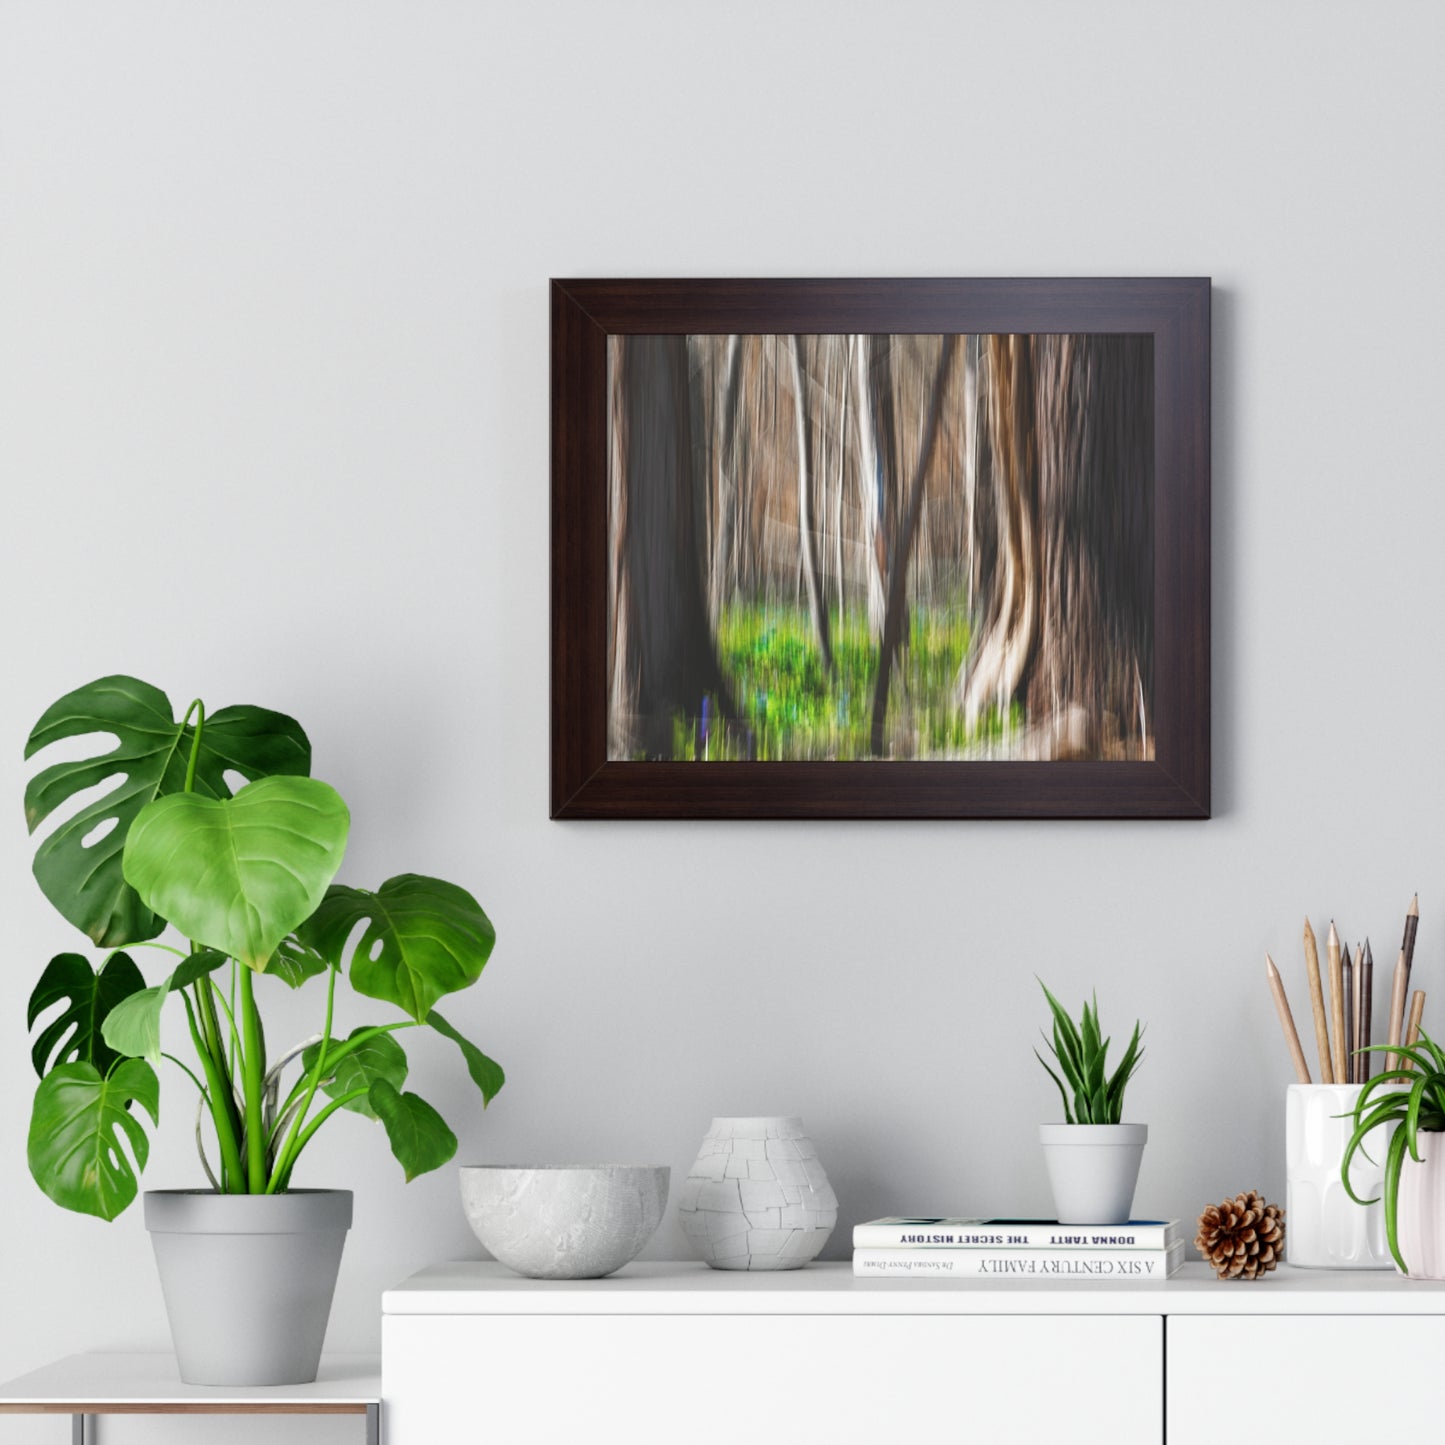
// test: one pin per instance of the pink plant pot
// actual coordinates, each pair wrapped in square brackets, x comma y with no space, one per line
[1420,1225]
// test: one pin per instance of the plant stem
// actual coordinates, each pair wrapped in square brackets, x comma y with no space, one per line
[253,1075]
[198,708]
[216,1050]
[316,1072]
[315,1124]
[220,1096]
[188,1073]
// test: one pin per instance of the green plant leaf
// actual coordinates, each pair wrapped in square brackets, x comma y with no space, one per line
[294,962]
[1068,1112]
[91,996]
[1394,1159]
[239,874]
[78,1129]
[424,938]
[419,1135]
[377,1057]
[152,750]
[133,1027]
[486,1073]
[197,965]
[1412,1117]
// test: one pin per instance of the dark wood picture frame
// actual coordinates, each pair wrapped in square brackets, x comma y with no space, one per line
[585,784]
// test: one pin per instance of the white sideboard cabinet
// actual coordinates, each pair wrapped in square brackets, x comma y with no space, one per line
[679,1353]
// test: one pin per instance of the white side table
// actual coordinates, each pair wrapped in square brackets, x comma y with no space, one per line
[83,1386]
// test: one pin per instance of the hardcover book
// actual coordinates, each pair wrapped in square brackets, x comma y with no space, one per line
[937,1233]
[1003,1264]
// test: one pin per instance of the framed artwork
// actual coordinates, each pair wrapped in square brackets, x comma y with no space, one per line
[880,548]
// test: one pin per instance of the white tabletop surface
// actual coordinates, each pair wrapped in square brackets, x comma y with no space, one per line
[475,1287]
[84,1380]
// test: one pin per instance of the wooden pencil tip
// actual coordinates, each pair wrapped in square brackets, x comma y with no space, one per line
[1309,932]
[1269,965]
[1334,937]
[1414,910]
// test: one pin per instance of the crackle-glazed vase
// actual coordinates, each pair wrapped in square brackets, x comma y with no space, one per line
[757,1196]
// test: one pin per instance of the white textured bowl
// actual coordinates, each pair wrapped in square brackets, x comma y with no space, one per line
[567,1221]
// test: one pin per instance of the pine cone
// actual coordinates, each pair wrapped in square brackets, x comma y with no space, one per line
[1242,1237]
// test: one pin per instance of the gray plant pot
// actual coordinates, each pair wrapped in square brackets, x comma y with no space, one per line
[248,1280]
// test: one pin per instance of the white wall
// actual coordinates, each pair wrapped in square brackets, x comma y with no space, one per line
[273,408]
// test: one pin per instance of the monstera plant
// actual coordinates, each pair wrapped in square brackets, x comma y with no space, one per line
[246,879]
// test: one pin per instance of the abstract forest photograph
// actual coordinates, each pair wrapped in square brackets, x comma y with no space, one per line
[854,547]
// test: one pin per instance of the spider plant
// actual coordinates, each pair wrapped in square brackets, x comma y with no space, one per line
[1081,1052]
[1416,1109]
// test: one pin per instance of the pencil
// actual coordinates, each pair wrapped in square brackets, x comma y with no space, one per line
[1347,987]
[1417,1010]
[1286,1021]
[1407,944]
[1317,1003]
[1366,1012]
[1397,1011]
[1357,1038]
[1337,1004]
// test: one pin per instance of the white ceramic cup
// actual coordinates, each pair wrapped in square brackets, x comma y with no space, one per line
[1324,1227]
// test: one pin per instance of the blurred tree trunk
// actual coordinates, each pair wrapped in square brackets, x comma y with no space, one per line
[1063,536]
[666,663]
[807,523]
[895,617]
[722,570]
[874,395]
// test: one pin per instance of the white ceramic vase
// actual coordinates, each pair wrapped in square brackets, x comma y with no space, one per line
[757,1197]
[1093,1169]
[1420,1226]
[1324,1227]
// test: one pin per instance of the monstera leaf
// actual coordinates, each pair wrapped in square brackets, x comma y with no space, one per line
[78,1129]
[424,938]
[90,997]
[238,874]
[380,1057]
[486,1073]
[294,962]
[133,1028]
[418,1135]
[85,883]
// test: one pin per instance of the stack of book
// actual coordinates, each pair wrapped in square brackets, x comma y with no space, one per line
[1143,1249]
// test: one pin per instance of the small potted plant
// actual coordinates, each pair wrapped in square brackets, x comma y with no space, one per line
[1408,1102]
[247,1266]
[1093,1157]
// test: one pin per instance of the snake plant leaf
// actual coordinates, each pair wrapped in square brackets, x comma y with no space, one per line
[86,883]
[377,1057]
[294,962]
[74,1036]
[238,874]
[423,938]
[486,1073]
[79,1128]
[419,1135]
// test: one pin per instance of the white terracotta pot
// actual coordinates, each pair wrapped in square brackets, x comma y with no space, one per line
[1324,1227]
[1093,1169]
[248,1280]
[1420,1226]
